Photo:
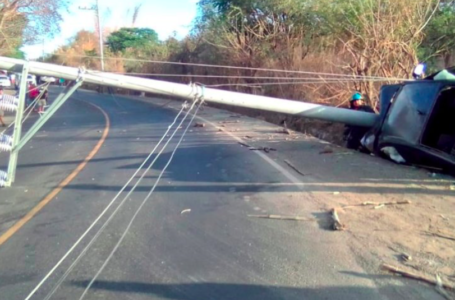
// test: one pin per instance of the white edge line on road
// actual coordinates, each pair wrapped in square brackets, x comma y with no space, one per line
[273,163]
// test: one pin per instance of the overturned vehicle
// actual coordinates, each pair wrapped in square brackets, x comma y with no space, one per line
[417,123]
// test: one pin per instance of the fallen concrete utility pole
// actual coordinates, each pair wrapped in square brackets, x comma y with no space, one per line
[295,108]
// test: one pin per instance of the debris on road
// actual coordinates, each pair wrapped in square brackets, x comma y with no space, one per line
[185,211]
[442,235]
[229,122]
[406,257]
[284,131]
[415,276]
[345,153]
[265,149]
[245,145]
[293,167]
[200,125]
[326,150]
[336,223]
[278,217]
[440,288]
[379,205]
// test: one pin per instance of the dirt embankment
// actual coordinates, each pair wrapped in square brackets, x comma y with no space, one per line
[327,131]
[393,214]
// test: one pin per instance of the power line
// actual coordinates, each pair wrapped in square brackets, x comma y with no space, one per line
[260,84]
[145,199]
[98,233]
[231,67]
[248,77]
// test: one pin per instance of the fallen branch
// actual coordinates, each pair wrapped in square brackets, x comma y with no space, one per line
[229,122]
[265,149]
[294,167]
[415,276]
[278,217]
[444,236]
[440,288]
[377,204]
[336,223]
[244,145]
[284,131]
[326,151]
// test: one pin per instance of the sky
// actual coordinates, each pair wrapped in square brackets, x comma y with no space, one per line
[164,16]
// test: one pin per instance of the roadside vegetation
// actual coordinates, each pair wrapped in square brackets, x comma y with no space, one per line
[383,38]
[365,38]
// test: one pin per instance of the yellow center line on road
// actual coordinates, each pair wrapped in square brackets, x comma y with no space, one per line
[11,231]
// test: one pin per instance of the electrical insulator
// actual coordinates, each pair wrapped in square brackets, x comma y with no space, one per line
[6,142]
[9,103]
[3,178]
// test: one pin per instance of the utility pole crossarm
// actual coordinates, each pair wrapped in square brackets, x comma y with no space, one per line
[289,107]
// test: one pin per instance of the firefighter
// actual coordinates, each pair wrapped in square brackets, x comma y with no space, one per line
[354,134]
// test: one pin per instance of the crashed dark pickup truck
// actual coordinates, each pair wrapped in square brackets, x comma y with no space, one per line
[417,123]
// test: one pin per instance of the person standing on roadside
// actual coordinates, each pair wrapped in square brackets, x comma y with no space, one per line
[33,93]
[12,77]
[42,102]
[354,134]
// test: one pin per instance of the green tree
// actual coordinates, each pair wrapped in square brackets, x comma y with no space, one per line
[24,21]
[135,38]
[439,41]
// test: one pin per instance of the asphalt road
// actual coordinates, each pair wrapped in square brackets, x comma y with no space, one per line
[193,239]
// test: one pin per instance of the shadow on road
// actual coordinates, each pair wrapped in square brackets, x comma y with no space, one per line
[220,291]
[216,168]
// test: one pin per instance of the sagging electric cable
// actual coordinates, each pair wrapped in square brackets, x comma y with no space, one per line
[98,233]
[31,106]
[6,141]
[356,78]
[261,84]
[235,67]
[144,201]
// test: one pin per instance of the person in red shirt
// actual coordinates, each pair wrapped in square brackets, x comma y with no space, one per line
[33,93]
